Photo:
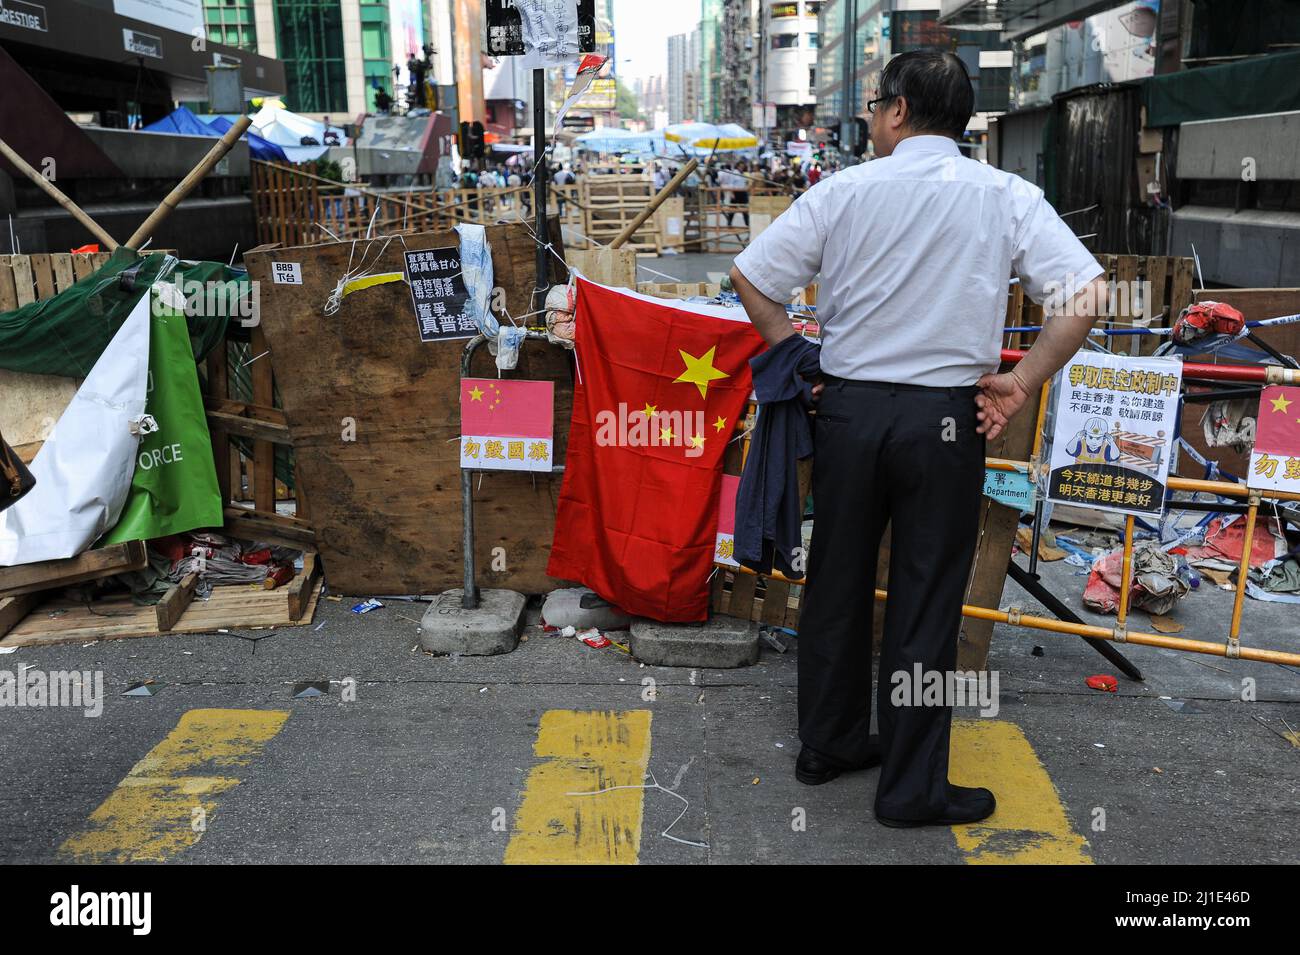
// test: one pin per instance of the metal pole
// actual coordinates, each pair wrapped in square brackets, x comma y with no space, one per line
[848,44]
[470,595]
[540,175]
[1035,589]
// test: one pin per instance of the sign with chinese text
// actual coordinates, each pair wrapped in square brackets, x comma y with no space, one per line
[1012,488]
[506,425]
[1275,460]
[439,293]
[505,28]
[1115,425]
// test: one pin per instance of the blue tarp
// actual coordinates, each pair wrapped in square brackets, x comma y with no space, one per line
[186,123]
[258,147]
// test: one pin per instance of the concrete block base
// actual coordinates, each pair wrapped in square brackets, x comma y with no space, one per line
[491,627]
[722,643]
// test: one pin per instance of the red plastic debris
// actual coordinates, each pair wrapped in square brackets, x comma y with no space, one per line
[1204,319]
[1104,682]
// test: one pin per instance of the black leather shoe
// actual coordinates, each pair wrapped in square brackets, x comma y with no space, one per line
[965,805]
[813,769]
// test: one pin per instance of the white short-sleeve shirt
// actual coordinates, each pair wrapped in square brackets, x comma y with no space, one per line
[914,251]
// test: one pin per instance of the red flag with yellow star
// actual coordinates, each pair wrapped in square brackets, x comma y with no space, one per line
[660,387]
[1275,460]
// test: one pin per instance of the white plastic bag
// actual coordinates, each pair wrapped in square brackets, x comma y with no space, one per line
[83,470]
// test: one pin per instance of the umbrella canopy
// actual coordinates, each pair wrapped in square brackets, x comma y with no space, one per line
[711,137]
[611,139]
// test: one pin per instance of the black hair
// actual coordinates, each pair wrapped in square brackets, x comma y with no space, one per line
[940,98]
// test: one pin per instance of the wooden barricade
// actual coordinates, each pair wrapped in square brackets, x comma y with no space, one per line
[295,207]
[33,403]
[1147,291]
[723,223]
[611,202]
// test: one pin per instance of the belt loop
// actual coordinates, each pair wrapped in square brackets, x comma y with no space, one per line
[893,389]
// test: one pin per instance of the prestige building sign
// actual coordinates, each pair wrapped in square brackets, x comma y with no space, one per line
[28,16]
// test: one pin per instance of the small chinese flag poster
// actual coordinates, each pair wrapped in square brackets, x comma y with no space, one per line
[1275,461]
[506,425]
[724,550]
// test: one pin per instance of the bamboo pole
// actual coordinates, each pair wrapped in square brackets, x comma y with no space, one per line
[192,179]
[1242,570]
[1125,584]
[630,229]
[55,193]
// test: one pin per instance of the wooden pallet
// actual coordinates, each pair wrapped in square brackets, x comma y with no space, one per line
[231,607]
[611,202]
[89,565]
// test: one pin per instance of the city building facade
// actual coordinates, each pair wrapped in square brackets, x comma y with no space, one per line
[683,81]
[858,37]
[338,55]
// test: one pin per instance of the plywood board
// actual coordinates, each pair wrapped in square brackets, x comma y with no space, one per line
[32,405]
[615,267]
[374,418]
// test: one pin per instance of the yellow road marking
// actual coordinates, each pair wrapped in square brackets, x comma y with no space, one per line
[583,752]
[151,815]
[1030,825]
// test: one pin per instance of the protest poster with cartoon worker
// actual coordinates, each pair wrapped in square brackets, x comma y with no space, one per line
[1114,423]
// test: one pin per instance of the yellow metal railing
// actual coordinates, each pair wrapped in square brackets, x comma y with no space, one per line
[1120,632]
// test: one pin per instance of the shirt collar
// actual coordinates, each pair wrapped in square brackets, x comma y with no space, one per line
[927,144]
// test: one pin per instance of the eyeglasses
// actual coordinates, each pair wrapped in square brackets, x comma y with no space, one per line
[871,103]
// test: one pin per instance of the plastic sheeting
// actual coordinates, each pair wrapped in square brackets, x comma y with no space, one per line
[84,469]
[258,147]
[184,122]
[1103,198]
[65,335]
[277,125]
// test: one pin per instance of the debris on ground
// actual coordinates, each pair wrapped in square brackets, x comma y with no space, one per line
[1104,682]
[1160,579]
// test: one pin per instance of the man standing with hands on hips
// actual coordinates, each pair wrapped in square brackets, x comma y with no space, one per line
[914,250]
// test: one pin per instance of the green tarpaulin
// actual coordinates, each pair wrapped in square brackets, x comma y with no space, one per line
[174,487]
[64,335]
[1261,84]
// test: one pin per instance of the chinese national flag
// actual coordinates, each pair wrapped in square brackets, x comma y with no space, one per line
[660,388]
[1278,430]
